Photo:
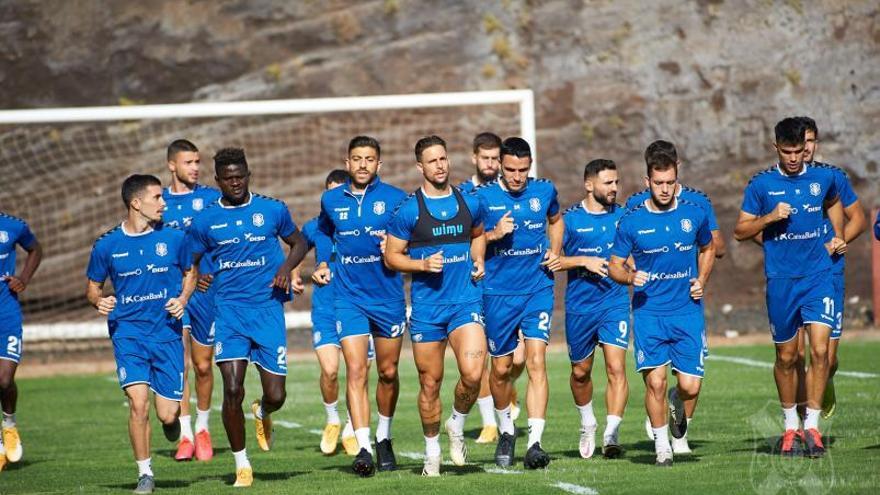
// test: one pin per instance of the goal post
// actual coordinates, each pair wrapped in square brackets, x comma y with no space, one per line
[62,168]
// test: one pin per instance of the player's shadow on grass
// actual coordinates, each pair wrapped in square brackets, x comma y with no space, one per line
[160,483]
[451,470]
[643,453]
[771,445]
[22,464]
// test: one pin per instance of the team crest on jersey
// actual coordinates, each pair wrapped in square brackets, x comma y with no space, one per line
[161,249]
[258,220]
[198,204]
[815,189]
[535,204]
[686,225]
[378,207]
[4,236]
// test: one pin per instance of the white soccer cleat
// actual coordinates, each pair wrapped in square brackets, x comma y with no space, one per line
[680,445]
[648,429]
[457,448]
[664,458]
[587,445]
[431,468]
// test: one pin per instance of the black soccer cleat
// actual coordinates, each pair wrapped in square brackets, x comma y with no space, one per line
[385,456]
[363,464]
[172,431]
[813,446]
[612,451]
[677,420]
[504,450]
[536,458]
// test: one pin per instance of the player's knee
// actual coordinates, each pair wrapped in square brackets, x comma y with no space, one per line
[274,397]
[430,384]
[203,369]
[388,373]
[580,374]
[233,393]
[7,382]
[786,359]
[689,389]
[535,362]
[139,410]
[616,373]
[471,378]
[501,371]
[819,354]
[656,383]
[168,416]
[329,375]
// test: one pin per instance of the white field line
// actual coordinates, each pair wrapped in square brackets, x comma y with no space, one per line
[576,489]
[498,470]
[766,365]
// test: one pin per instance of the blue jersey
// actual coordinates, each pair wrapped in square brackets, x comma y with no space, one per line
[322,295]
[794,247]
[354,222]
[591,234]
[183,207]
[242,242]
[13,231]
[665,245]
[146,271]
[454,284]
[468,186]
[848,197]
[686,193]
[513,263]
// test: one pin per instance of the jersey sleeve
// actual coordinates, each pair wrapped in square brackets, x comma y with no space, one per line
[26,238]
[478,213]
[844,188]
[622,241]
[98,268]
[553,207]
[631,202]
[196,239]
[184,253]
[704,231]
[710,214]
[309,230]
[752,203]
[567,236]
[403,221]
[283,221]
[877,227]
[325,223]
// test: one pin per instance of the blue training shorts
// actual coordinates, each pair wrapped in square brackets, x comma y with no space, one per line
[255,334]
[434,322]
[386,320]
[839,300]
[679,339]
[200,312]
[157,364]
[506,316]
[10,335]
[795,302]
[584,331]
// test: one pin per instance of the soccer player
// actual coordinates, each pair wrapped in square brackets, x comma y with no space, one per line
[855,224]
[664,236]
[785,205]
[518,290]
[324,338]
[13,231]
[437,235]
[240,233]
[368,295]
[151,270]
[184,198]
[486,159]
[596,308]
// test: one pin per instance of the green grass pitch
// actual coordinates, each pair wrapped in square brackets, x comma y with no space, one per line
[75,437]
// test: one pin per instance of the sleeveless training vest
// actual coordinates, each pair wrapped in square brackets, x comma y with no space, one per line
[432,232]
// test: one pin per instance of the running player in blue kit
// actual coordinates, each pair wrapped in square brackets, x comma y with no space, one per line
[596,308]
[518,290]
[369,296]
[151,270]
[13,232]
[240,234]
[185,198]
[670,242]
[786,204]
[436,234]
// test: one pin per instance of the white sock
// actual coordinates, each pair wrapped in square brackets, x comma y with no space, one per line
[383,429]
[790,417]
[241,459]
[812,419]
[202,420]
[363,438]
[8,420]
[536,431]
[332,413]
[661,439]
[186,430]
[457,421]
[432,446]
[505,422]
[612,423]
[587,416]
[348,430]
[144,467]
[487,410]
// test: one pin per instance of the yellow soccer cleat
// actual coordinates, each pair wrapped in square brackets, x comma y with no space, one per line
[2,461]
[12,443]
[264,427]
[829,400]
[330,438]
[489,434]
[350,444]
[244,477]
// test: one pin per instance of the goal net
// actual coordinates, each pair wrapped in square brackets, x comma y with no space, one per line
[62,168]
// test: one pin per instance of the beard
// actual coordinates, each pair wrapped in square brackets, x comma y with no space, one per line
[604,200]
[486,178]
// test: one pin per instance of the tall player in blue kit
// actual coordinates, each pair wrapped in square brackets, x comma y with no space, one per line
[671,245]
[855,224]
[785,205]
[151,270]
[486,159]
[518,290]
[13,232]
[369,296]
[436,234]
[185,198]
[240,234]
[596,308]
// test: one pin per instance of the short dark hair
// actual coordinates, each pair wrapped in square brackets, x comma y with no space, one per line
[133,185]
[229,156]
[338,176]
[179,145]
[426,142]
[516,146]
[809,125]
[365,141]
[593,168]
[486,141]
[661,155]
[790,131]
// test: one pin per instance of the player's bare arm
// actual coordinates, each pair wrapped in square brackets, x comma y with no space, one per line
[95,296]
[298,250]
[748,225]
[856,221]
[502,228]
[478,252]
[18,284]
[555,231]
[705,263]
[397,259]
[621,272]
